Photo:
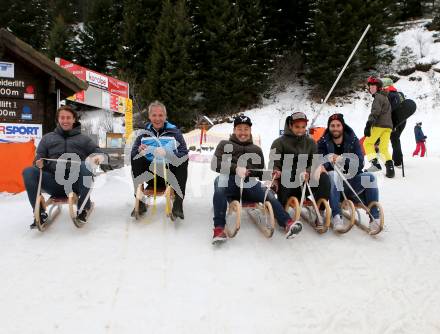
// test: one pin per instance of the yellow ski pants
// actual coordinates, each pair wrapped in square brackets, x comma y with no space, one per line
[384,135]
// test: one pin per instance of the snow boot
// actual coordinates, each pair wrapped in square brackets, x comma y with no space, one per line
[292,228]
[82,217]
[338,223]
[375,166]
[390,169]
[178,208]
[43,219]
[374,225]
[219,236]
[142,209]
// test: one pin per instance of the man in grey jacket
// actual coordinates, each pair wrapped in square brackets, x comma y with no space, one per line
[66,142]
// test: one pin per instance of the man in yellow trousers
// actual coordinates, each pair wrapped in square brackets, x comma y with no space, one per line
[379,127]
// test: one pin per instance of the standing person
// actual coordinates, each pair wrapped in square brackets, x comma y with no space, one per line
[66,138]
[143,157]
[420,140]
[339,143]
[379,126]
[290,147]
[395,98]
[246,161]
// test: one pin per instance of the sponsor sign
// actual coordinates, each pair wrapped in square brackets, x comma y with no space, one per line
[20,132]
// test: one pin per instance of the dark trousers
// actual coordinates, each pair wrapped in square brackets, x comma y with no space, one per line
[395,143]
[226,189]
[143,169]
[322,190]
[50,186]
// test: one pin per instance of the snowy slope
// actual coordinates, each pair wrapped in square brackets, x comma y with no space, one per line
[118,276]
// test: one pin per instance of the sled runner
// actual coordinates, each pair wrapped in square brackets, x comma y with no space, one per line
[317,214]
[362,213]
[149,197]
[261,215]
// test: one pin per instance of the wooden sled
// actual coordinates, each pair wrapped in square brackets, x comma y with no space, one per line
[53,208]
[359,211]
[261,215]
[308,213]
[348,211]
[147,194]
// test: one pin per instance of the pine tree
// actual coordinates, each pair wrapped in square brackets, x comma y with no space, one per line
[60,42]
[170,75]
[140,18]
[98,38]
[27,19]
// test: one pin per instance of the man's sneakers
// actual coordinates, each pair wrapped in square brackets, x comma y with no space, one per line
[338,223]
[142,209]
[374,226]
[178,208]
[43,219]
[219,236]
[292,228]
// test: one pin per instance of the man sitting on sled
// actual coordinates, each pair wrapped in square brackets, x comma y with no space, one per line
[338,145]
[160,152]
[239,158]
[65,139]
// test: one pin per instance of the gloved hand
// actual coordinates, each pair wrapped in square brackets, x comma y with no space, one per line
[367,130]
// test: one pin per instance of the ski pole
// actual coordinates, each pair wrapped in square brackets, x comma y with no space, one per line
[339,76]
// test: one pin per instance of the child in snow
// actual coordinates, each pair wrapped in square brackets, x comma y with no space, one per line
[379,126]
[420,140]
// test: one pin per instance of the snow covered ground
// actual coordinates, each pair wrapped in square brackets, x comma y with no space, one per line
[120,276]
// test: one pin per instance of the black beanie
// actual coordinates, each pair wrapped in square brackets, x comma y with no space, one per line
[242,119]
[338,117]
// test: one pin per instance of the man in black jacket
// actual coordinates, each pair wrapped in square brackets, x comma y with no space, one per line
[339,145]
[239,158]
[64,143]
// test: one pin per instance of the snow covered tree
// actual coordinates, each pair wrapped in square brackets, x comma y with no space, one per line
[60,42]
[170,75]
[407,59]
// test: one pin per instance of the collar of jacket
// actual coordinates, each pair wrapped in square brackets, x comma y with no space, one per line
[76,130]
[234,139]
[166,127]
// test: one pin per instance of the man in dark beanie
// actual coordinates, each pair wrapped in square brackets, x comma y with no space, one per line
[339,146]
[238,158]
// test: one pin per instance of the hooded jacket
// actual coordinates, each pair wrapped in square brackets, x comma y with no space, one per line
[289,143]
[58,142]
[351,145]
[233,153]
[380,115]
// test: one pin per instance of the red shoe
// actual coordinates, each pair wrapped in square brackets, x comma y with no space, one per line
[293,228]
[219,235]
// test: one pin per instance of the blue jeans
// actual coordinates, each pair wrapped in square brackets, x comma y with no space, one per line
[229,190]
[49,185]
[365,186]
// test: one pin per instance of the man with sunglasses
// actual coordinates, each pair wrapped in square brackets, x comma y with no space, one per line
[340,146]
[291,157]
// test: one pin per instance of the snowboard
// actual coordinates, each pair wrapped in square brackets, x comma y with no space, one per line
[406,109]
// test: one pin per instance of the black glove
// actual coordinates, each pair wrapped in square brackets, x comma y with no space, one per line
[367,130]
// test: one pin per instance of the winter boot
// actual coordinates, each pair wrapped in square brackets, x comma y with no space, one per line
[338,223]
[43,219]
[292,228]
[177,208]
[142,209]
[374,226]
[390,169]
[219,236]
[375,166]
[82,217]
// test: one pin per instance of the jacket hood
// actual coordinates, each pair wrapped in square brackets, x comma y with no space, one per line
[288,132]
